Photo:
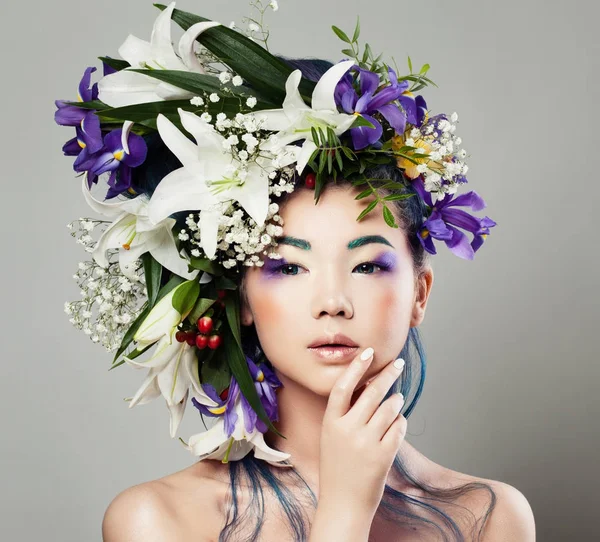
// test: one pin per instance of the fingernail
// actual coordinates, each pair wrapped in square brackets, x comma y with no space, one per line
[399,364]
[367,354]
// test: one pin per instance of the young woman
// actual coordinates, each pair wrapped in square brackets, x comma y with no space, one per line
[329,318]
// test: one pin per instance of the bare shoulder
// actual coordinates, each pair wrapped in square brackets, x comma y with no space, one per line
[176,507]
[511,519]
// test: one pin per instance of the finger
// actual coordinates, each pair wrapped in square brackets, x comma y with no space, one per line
[341,393]
[370,399]
[385,415]
[396,433]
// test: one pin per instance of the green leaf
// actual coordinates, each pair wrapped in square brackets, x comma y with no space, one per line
[315,136]
[128,337]
[356,30]
[224,283]
[340,34]
[361,121]
[329,162]
[338,157]
[215,373]
[409,65]
[92,104]
[201,306]
[396,197]
[348,52]
[424,69]
[132,355]
[322,161]
[153,274]
[262,70]
[364,193]
[186,296]
[115,63]
[207,265]
[389,217]
[367,210]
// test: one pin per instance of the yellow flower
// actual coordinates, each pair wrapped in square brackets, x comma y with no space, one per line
[410,169]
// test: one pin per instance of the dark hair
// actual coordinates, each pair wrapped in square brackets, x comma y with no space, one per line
[395,506]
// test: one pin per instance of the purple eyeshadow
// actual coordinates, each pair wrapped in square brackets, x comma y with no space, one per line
[386,261]
[272,266]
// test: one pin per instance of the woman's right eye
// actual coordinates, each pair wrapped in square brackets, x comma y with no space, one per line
[287,267]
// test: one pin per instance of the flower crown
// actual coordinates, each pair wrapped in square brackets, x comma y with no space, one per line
[161,281]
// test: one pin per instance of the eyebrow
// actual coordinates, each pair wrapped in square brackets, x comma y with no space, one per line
[355,243]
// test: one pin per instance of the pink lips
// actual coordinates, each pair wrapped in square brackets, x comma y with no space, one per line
[334,353]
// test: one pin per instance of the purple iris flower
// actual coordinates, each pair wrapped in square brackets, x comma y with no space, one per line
[115,159]
[444,217]
[88,139]
[265,382]
[374,100]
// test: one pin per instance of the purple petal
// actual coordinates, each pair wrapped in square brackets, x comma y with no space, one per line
[107,70]
[250,416]
[137,150]
[68,115]
[459,244]
[112,140]
[363,103]
[394,116]
[363,135]
[106,161]
[461,219]
[419,186]
[471,199]
[438,229]
[427,242]
[71,147]
[410,107]
[85,160]
[348,101]
[369,81]
[421,110]
[85,94]
[383,97]
[91,134]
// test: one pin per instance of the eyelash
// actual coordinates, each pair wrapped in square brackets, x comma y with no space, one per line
[277,270]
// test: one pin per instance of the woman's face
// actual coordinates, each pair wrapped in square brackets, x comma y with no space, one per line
[333,283]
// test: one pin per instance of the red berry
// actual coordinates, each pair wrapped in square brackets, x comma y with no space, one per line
[221,294]
[224,394]
[201,341]
[190,338]
[205,324]
[310,180]
[180,336]
[214,341]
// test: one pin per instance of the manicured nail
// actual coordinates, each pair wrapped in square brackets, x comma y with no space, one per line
[399,364]
[367,354]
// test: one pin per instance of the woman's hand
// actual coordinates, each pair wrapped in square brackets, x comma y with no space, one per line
[359,441]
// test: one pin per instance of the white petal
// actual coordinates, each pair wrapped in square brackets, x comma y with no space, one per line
[207,138]
[127,258]
[323,93]
[209,227]
[305,153]
[163,54]
[180,190]
[135,51]
[253,195]
[186,45]
[166,91]
[161,356]
[206,442]
[272,119]
[127,125]
[117,234]
[263,451]
[293,104]
[126,87]
[147,392]
[191,366]
[176,415]
[176,141]
[160,322]
[172,380]
[164,251]
[117,207]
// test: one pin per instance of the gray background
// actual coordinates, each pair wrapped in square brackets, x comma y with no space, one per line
[511,337]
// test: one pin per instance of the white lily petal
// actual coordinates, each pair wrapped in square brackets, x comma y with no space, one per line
[135,51]
[191,367]
[180,190]
[127,125]
[206,442]
[205,278]
[126,87]
[176,141]
[207,138]
[293,104]
[118,233]
[263,451]
[176,414]
[164,251]
[166,91]
[147,392]
[323,93]
[127,258]
[145,225]
[272,119]
[161,356]
[253,195]
[239,450]
[209,228]
[162,48]
[308,148]
[160,322]
[172,380]
[186,45]
[117,207]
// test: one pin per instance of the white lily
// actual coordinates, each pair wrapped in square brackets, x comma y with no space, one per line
[171,374]
[134,234]
[210,175]
[127,88]
[215,444]
[294,121]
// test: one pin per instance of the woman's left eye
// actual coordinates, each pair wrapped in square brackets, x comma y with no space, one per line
[368,265]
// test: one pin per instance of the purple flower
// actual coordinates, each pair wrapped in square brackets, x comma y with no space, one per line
[375,100]
[265,382]
[444,217]
[122,151]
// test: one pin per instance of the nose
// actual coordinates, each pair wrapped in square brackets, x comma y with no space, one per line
[330,296]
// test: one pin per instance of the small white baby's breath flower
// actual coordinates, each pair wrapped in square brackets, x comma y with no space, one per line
[206,117]
[221,116]
[251,102]
[224,77]
[253,27]
[214,97]
[237,81]
[197,100]
[454,117]
[232,24]
[274,5]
